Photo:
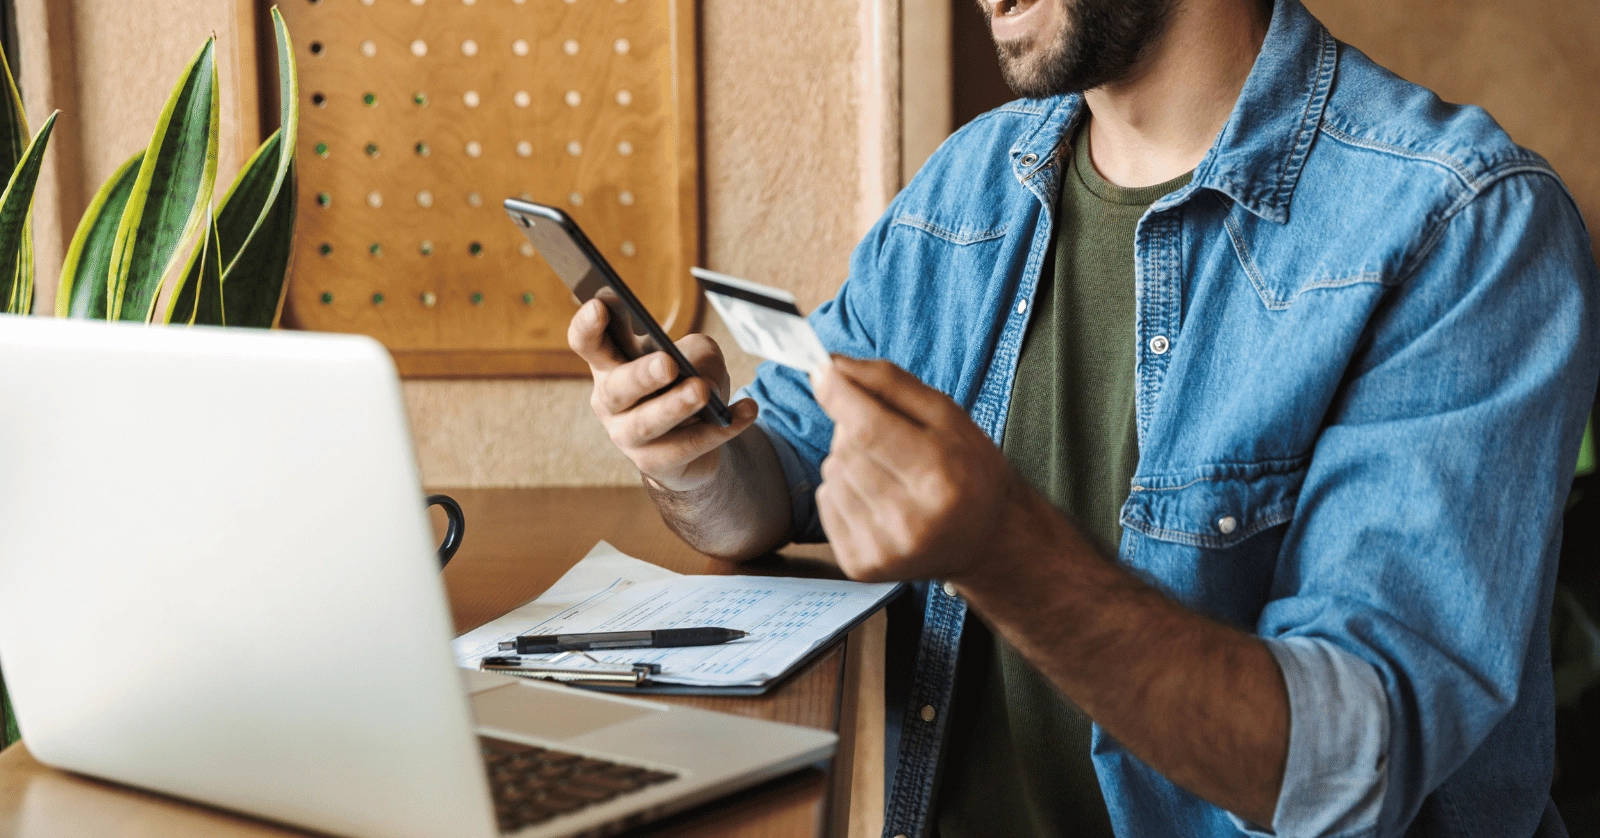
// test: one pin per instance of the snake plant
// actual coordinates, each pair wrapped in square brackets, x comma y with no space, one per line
[154,229]
[154,246]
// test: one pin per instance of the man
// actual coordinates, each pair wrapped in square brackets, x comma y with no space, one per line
[1228,388]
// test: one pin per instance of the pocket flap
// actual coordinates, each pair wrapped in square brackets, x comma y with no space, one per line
[1214,506]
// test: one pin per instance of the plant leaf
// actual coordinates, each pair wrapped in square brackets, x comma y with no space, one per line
[14,131]
[199,300]
[252,288]
[255,224]
[167,208]
[16,263]
[253,281]
[85,272]
[243,208]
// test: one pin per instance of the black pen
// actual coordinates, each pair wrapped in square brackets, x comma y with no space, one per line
[545,644]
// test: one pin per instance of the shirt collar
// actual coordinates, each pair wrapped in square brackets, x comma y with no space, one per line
[1257,158]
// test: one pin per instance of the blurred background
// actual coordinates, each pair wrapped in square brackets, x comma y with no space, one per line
[811,115]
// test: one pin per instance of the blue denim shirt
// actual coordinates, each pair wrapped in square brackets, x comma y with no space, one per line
[1366,347]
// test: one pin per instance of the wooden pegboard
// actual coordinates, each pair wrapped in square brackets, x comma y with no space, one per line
[418,117]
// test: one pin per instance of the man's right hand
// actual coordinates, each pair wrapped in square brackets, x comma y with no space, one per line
[659,433]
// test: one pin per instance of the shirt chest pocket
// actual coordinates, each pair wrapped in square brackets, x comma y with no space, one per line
[1214,506]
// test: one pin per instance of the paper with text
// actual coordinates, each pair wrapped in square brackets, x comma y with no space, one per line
[607,591]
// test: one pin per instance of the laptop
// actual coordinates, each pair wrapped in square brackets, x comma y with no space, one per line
[217,582]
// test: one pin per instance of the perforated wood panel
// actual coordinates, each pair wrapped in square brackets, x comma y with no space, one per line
[418,117]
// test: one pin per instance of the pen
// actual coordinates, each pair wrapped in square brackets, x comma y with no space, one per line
[544,644]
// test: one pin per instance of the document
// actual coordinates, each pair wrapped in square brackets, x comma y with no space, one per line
[786,619]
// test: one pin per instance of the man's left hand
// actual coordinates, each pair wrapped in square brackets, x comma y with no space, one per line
[912,488]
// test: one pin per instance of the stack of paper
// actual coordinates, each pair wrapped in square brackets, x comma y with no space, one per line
[786,619]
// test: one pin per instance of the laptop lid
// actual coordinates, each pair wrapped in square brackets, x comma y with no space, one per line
[217,581]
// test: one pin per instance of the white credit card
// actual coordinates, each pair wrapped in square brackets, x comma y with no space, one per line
[765,321]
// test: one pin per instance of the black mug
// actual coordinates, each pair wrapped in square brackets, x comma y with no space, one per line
[453,531]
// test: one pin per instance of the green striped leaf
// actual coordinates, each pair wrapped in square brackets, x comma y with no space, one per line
[8,719]
[85,274]
[14,131]
[16,262]
[166,210]
[199,299]
[255,223]
[253,285]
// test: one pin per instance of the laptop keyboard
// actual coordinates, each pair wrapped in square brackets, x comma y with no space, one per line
[531,785]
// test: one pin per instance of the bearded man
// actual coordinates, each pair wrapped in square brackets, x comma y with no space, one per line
[1228,389]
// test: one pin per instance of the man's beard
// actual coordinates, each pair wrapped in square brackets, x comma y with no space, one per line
[1100,43]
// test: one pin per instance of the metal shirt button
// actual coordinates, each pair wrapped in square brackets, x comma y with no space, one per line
[1159,344]
[949,589]
[1022,306]
[1227,524]
[928,712]
[1029,159]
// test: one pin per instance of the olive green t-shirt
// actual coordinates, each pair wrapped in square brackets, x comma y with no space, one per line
[1017,762]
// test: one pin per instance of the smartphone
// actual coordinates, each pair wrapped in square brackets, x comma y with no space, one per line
[574,258]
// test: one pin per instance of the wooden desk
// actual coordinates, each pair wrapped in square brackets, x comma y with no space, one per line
[518,542]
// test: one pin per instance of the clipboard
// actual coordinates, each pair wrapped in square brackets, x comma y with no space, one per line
[789,623]
[638,679]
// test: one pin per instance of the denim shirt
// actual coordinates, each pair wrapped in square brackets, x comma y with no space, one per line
[1366,347]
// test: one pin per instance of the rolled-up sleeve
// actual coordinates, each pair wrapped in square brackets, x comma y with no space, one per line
[1417,572]
[1337,768]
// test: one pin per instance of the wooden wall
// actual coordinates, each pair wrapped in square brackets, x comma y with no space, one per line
[806,137]
[801,153]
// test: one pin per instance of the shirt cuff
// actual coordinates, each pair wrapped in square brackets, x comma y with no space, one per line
[804,525]
[1338,765]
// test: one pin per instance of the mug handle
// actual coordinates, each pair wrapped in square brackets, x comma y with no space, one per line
[454,530]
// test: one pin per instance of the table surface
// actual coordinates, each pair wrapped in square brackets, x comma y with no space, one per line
[518,542]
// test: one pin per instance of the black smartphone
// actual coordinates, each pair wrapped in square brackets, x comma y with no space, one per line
[579,264]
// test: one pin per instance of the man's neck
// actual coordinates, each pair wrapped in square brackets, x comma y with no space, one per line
[1160,122]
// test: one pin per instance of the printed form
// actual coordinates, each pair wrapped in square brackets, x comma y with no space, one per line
[785,619]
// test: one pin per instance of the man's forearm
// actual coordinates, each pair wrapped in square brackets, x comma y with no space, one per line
[741,512]
[1200,702]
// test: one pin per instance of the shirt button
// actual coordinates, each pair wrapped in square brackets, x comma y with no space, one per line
[1227,524]
[928,712]
[1022,306]
[949,589]
[1029,159]
[1159,344]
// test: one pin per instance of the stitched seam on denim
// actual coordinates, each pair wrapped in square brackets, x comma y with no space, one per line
[994,395]
[1328,55]
[1363,278]
[952,236]
[934,676]
[1251,270]
[1271,517]
[1242,253]
[1412,264]
[1028,135]
[1444,161]
[1013,107]
[1276,466]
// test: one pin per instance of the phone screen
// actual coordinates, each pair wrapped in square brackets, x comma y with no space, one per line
[582,269]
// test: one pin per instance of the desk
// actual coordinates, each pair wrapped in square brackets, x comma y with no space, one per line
[518,542]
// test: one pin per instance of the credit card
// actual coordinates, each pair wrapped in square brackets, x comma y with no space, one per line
[764,320]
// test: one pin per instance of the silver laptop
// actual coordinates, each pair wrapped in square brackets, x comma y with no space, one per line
[217,582]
